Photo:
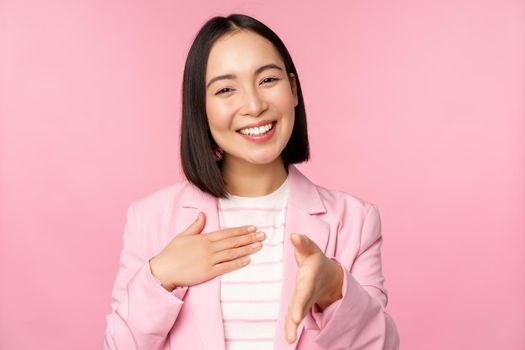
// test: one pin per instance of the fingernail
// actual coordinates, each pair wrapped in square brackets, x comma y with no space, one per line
[252,228]
[260,235]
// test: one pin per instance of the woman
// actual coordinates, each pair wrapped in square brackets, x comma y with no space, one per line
[194,272]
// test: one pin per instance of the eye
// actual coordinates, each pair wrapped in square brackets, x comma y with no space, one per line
[221,91]
[271,79]
[226,90]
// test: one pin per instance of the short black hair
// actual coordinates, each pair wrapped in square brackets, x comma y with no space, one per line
[196,143]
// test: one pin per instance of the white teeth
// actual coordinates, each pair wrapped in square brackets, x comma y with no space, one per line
[257,131]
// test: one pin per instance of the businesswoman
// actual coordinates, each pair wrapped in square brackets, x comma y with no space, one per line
[247,252]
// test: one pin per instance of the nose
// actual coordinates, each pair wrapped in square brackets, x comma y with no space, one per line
[253,103]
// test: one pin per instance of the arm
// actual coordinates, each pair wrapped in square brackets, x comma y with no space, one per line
[359,320]
[143,312]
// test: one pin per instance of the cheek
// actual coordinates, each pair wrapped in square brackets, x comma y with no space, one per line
[218,116]
[283,99]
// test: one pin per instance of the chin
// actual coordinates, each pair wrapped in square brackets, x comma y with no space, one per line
[263,160]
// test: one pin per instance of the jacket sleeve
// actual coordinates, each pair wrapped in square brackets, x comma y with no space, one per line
[359,320]
[143,312]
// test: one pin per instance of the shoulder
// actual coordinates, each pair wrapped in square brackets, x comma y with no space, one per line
[342,203]
[351,214]
[162,200]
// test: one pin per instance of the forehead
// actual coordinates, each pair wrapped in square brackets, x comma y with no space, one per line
[240,52]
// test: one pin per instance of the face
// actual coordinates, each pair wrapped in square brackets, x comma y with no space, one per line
[250,99]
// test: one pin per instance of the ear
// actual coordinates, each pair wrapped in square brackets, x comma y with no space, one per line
[293,83]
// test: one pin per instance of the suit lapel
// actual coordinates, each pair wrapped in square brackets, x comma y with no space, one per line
[303,202]
[204,298]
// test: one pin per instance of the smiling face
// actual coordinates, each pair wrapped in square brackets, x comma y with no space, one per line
[247,86]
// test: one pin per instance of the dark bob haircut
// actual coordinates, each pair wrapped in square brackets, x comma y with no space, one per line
[197,145]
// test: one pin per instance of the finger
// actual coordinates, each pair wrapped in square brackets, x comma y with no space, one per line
[301,297]
[237,241]
[196,226]
[296,311]
[290,329]
[229,266]
[234,253]
[230,232]
[302,294]
[304,243]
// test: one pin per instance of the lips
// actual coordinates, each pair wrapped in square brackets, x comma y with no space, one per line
[261,138]
[256,125]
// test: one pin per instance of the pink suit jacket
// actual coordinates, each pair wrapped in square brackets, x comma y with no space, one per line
[146,316]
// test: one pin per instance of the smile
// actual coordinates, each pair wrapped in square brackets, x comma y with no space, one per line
[262,130]
[260,134]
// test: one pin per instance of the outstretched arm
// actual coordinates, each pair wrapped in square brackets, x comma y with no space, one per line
[359,320]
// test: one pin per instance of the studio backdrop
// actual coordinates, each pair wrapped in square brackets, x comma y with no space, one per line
[416,106]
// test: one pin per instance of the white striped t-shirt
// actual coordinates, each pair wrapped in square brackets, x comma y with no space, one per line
[250,296]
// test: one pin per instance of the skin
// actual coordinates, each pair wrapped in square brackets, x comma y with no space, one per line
[256,169]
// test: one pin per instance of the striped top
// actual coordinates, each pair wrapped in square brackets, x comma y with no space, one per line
[250,296]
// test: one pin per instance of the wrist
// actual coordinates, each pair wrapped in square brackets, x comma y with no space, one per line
[157,275]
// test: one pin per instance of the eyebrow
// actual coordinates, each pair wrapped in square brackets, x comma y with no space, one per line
[232,76]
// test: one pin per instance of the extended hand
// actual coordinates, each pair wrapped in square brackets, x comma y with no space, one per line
[319,281]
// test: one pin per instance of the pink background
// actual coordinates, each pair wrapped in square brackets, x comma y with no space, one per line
[416,106]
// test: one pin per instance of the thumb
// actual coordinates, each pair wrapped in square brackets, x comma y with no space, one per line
[303,243]
[196,226]
[304,247]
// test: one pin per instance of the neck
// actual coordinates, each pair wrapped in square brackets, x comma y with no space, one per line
[252,180]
